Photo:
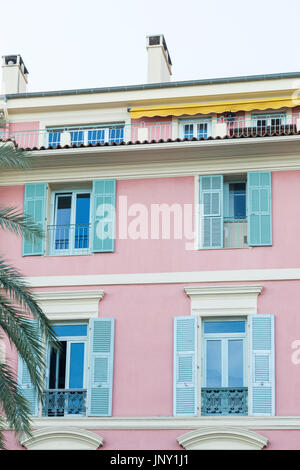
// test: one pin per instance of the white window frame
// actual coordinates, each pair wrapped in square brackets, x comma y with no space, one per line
[71,340]
[85,130]
[222,302]
[224,338]
[194,123]
[268,117]
[71,250]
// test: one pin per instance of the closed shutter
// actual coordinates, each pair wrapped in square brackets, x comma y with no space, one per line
[185,366]
[35,207]
[103,222]
[101,367]
[211,211]
[259,209]
[262,369]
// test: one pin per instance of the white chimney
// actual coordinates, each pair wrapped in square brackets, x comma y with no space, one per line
[14,75]
[159,61]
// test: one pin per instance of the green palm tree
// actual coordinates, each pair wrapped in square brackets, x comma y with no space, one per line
[17,306]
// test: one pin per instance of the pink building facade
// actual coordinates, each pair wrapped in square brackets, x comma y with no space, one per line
[170,265]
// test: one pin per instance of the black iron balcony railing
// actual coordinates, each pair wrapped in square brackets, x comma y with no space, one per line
[61,402]
[224,401]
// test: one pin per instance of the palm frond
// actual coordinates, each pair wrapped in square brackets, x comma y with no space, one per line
[12,156]
[15,406]
[15,221]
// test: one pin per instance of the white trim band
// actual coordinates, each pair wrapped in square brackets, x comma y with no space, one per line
[237,275]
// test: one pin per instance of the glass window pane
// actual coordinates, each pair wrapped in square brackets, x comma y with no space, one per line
[96,136]
[235,363]
[76,365]
[63,218]
[189,131]
[77,137]
[82,221]
[54,138]
[70,330]
[213,364]
[224,326]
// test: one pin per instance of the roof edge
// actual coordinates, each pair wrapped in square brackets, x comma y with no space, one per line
[206,81]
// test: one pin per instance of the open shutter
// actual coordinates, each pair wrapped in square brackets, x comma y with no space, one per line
[185,366]
[259,209]
[211,211]
[101,367]
[24,381]
[26,387]
[262,370]
[104,201]
[35,206]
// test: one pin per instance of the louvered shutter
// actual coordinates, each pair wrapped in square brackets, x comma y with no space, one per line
[103,221]
[26,387]
[259,208]
[262,369]
[25,383]
[101,367]
[185,366]
[211,211]
[35,206]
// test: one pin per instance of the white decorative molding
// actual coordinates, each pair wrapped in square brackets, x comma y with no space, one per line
[62,438]
[159,160]
[226,438]
[235,275]
[170,422]
[223,300]
[70,305]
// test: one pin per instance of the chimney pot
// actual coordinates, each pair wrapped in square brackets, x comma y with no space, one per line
[14,74]
[159,60]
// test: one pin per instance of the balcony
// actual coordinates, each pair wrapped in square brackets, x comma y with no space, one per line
[118,134]
[60,402]
[235,232]
[68,239]
[224,401]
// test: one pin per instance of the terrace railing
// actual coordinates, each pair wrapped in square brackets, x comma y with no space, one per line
[145,131]
[224,401]
[61,402]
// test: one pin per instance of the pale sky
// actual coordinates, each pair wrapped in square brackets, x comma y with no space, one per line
[71,44]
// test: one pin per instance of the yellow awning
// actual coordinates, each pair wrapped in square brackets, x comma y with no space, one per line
[212,107]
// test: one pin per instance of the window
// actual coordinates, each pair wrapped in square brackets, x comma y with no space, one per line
[70,231]
[197,128]
[66,372]
[86,135]
[235,211]
[211,369]
[80,221]
[79,376]
[271,121]
[224,380]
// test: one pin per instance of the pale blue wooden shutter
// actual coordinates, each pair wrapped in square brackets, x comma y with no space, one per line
[24,380]
[262,366]
[101,367]
[35,206]
[259,208]
[26,387]
[211,211]
[185,366]
[103,221]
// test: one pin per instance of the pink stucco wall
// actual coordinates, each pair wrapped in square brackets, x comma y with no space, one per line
[143,366]
[25,134]
[158,128]
[135,256]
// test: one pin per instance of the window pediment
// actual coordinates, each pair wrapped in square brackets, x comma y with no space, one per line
[62,439]
[226,438]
